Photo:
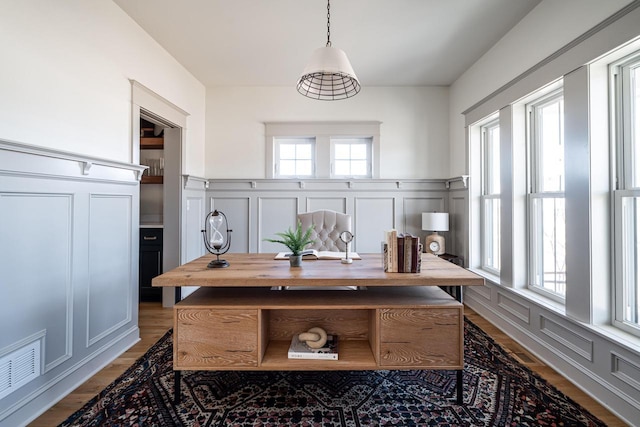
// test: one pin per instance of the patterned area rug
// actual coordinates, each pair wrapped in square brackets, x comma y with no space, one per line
[498,391]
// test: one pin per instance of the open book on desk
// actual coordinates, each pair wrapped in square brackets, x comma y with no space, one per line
[314,254]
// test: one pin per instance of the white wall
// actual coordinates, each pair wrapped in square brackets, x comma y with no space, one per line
[414,127]
[66,66]
[65,85]
[547,28]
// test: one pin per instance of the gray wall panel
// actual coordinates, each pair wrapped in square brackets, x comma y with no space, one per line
[110,259]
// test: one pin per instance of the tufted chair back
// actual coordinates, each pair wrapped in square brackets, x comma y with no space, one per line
[327,228]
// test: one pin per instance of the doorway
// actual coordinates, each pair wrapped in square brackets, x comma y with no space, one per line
[155,119]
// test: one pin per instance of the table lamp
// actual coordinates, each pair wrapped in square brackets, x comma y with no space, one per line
[435,221]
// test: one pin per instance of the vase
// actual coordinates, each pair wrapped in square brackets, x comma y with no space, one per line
[295,260]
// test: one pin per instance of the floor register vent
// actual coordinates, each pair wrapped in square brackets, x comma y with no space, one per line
[19,367]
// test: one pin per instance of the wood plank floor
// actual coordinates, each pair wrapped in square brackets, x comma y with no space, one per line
[154,321]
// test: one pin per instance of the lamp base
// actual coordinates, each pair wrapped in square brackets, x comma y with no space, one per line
[434,244]
[218,263]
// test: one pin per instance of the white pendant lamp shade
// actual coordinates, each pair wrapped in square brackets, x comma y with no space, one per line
[328,76]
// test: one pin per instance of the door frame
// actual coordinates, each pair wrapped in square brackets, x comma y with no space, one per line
[148,103]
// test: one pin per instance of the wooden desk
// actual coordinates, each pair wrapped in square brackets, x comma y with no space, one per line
[236,322]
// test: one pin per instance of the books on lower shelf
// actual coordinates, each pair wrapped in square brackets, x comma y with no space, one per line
[402,252]
[314,254]
[300,350]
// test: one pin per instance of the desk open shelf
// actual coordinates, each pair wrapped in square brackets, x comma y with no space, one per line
[378,328]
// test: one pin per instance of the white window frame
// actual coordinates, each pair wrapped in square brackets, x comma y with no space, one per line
[536,195]
[323,132]
[351,141]
[625,144]
[297,141]
[490,224]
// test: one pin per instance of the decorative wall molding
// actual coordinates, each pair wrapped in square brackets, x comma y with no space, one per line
[606,369]
[27,160]
[70,203]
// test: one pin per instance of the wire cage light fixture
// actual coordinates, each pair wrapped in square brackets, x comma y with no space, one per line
[328,75]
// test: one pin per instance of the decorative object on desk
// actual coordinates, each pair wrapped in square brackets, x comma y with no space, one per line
[328,75]
[499,391]
[435,221]
[296,241]
[216,242]
[346,237]
[401,253]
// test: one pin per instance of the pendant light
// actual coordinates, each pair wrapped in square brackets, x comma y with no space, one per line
[328,75]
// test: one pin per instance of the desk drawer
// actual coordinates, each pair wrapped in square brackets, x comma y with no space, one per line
[421,338]
[215,339]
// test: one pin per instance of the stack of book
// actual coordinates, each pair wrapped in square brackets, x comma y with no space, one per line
[300,350]
[401,252]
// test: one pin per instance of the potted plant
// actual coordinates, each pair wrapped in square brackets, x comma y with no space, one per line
[296,241]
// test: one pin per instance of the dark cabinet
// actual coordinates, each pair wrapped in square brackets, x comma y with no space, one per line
[150,263]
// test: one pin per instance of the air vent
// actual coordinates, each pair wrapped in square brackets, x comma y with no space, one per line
[19,367]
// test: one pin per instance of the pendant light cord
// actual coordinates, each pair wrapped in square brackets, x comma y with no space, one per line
[328,24]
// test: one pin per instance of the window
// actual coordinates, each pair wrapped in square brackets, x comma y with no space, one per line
[490,197]
[294,157]
[546,207]
[340,150]
[626,82]
[351,157]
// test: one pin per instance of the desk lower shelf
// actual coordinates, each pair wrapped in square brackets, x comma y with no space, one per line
[381,328]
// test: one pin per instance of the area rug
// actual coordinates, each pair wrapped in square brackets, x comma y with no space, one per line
[498,391]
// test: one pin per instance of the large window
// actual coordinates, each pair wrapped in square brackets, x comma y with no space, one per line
[626,86]
[490,197]
[546,202]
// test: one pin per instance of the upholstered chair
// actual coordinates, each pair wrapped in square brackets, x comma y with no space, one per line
[327,227]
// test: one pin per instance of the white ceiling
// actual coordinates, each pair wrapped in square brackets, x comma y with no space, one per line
[268,42]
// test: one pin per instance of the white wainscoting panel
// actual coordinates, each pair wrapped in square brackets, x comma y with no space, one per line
[371,215]
[238,213]
[194,218]
[35,265]
[68,267]
[275,215]
[110,295]
[568,337]
[338,204]
[375,206]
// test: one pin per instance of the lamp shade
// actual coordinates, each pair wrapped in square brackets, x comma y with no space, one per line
[328,76]
[435,221]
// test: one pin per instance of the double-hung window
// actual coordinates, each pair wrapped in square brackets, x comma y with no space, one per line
[490,197]
[294,157]
[626,87]
[546,200]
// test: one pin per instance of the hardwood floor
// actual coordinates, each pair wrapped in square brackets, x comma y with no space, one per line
[154,321]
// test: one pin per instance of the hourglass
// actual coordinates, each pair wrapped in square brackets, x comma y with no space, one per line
[215,241]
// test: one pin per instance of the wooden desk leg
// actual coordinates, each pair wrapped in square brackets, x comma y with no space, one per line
[176,374]
[459,386]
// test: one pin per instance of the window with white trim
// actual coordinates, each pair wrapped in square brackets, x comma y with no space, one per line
[490,197]
[294,157]
[351,157]
[546,199]
[626,88]
[339,150]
